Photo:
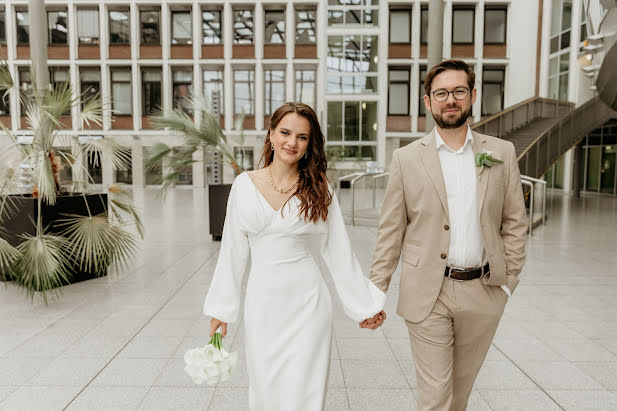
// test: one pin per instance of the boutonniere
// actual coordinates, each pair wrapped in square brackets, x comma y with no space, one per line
[486,159]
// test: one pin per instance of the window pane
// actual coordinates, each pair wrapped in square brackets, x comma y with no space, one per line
[244,92]
[369,121]
[462,26]
[335,17]
[555,17]
[491,98]
[553,88]
[398,99]
[335,121]
[353,16]
[2,28]
[88,26]
[495,26]
[57,26]
[126,176]
[213,89]
[151,86]
[150,27]
[400,26]
[90,84]
[305,87]
[351,84]
[243,27]
[95,167]
[563,87]
[424,25]
[121,98]
[119,27]
[565,40]
[566,16]
[275,90]
[23,27]
[305,27]
[421,107]
[352,120]
[553,65]
[607,179]
[182,89]
[370,17]
[211,23]
[181,27]
[275,27]
[593,168]
[564,62]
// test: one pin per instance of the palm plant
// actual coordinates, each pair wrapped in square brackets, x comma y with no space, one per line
[191,138]
[44,261]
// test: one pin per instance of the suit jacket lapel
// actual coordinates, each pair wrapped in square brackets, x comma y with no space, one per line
[479,145]
[430,160]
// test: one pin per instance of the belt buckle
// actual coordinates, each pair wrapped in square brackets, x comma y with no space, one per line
[454,269]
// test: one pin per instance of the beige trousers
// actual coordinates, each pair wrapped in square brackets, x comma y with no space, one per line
[449,346]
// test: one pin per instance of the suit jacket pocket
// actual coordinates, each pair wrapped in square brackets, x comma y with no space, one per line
[410,255]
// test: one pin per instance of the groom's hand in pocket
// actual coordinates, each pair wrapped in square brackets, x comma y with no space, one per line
[374,322]
[214,324]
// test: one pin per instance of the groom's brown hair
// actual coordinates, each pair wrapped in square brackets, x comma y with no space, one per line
[458,65]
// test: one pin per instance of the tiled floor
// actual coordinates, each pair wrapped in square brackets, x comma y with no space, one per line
[117,342]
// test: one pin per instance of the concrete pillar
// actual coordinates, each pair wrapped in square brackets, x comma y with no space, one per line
[575,35]
[290,44]
[258,104]
[577,155]
[107,164]
[137,157]
[435,42]
[199,169]
[38,42]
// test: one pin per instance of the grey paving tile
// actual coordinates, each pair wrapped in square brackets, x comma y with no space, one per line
[559,376]
[362,349]
[16,371]
[108,398]
[68,372]
[585,400]
[502,375]
[5,390]
[581,350]
[381,399]
[151,347]
[232,399]
[518,400]
[130,372]
[336,400]
[177,398]
[39,398]
[603,372]
[373,374]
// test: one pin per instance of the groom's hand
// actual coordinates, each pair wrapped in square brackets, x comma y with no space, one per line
[374,322]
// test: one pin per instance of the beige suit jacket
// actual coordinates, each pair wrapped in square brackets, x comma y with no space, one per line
[414,217]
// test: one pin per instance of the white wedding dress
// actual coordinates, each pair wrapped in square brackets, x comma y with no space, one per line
[287,309]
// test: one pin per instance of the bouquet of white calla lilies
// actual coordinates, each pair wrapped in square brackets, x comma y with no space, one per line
[210,364]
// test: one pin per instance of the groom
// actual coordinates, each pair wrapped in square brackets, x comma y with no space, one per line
[460,229]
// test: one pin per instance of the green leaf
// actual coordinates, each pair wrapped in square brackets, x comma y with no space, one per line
[42,266]
[8,256]
[487,162]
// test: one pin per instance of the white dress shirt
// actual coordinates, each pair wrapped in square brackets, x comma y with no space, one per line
[459,174]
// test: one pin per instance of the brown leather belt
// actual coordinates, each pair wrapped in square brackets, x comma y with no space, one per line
[466,274]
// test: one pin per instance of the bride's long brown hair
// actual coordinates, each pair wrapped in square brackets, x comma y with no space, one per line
[313,189]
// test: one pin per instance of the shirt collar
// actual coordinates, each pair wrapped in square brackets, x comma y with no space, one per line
[440,143]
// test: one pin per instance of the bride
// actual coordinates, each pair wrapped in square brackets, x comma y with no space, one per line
[286,217]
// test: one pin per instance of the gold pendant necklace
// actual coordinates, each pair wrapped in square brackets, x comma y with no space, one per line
[281,190]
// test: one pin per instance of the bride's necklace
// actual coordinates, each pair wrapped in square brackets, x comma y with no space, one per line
[277,188]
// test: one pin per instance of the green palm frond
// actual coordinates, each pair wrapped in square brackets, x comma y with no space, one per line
[6,80]
[120,153]
[42,265]
[92,111]
[8,256]
[121,199]
[45,180]
[95,243]
[58,101]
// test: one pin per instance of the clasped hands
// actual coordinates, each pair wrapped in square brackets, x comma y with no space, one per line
[374,322]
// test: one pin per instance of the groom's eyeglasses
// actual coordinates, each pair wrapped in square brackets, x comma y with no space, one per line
[459,93]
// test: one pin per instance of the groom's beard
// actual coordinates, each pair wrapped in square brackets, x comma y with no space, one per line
[452,121]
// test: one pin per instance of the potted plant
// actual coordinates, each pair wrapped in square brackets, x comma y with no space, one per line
[55,233]
[191,138]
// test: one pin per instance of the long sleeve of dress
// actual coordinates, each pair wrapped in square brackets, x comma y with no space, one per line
[223,299]
[360,297]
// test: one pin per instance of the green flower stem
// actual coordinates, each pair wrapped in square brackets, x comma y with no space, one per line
[216,340]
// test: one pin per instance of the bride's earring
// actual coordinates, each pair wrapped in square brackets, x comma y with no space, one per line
[306,155]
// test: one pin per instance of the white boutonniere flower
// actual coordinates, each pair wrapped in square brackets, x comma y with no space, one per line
[486,159]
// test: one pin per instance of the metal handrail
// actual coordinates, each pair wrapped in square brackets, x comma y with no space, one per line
[348,177]
[544,185]
[530,185]
[375,177]
[353,178]
[353,195]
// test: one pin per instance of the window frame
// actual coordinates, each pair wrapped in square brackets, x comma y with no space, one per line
[407,83]
[82,90]
[158,41]
[284,34]
[220,82]
[503,83]
[109,21]
[423,9]
[189,84]
[456,8]
[251,83]
[269,82]
[3,31]
[235,40]
[130,85]
[399,10]
[220,21]
[503,8]
[17,26]
[173,40]
[314,21]
[298,98]
[48,13]
[98,26]
[151,69]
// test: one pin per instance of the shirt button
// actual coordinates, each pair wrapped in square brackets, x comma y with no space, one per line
[446,227]
[443,256]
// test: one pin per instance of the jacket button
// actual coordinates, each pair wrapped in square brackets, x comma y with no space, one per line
[446,227]
[443,256]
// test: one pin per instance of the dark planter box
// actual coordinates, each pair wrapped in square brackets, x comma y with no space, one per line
[217,200]
[24,220]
